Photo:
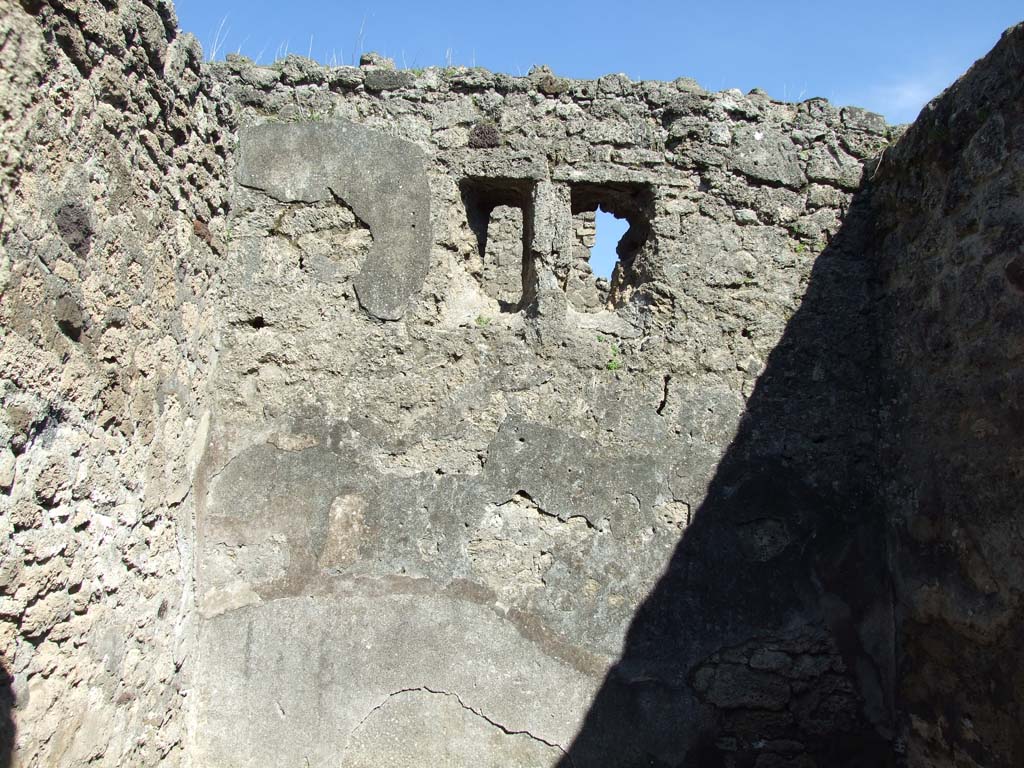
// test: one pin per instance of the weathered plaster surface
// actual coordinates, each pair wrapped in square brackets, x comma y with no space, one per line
[547,505]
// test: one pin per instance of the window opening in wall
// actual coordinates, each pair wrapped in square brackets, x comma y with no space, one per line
[611,223]
[608,231]
[499,212]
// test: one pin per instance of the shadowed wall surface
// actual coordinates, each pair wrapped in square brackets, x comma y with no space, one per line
[950,218]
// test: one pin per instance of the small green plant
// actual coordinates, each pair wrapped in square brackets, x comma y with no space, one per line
[614,363]
[482,321]
[800,247]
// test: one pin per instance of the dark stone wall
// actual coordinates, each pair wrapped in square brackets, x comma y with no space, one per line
[949,207]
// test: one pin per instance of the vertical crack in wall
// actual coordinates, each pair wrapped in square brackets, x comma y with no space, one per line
[666,380]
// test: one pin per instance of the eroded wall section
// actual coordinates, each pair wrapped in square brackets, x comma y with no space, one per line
[376,472]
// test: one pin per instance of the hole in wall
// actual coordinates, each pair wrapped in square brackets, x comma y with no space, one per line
[499,212]
[611,223]
[70,318]
[609,229]
[73,223]
[1015,273]
[70,330]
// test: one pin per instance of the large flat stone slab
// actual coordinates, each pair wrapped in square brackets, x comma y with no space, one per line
[381,178]
[314,681]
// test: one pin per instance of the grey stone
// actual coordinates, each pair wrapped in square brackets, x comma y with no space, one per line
[382,179]
[7,465]
[751,496]
[484,135]
[393,735]
[550,85]
[260,77]
[746,216]
[374,59]
[299,70]
[345,78]
[733,687]
[769,660]
[863,120]
[386,80]
[766,155]
[687,84]
[85,321]
[948,221]
[475,79]
[350,668]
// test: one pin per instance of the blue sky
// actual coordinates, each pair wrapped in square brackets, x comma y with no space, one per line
[887,56]
[890,56]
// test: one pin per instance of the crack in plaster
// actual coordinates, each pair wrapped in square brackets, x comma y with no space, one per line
[439,692]
[523,496]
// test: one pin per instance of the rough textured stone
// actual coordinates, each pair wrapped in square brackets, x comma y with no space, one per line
[382,179]
[386,80]
[951,230]
[536,457]
[113,180]
[323,444]
[485,135]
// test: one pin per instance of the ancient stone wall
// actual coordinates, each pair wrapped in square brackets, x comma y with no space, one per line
[460,482]
[324,445]
[112,192]
[950,216]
